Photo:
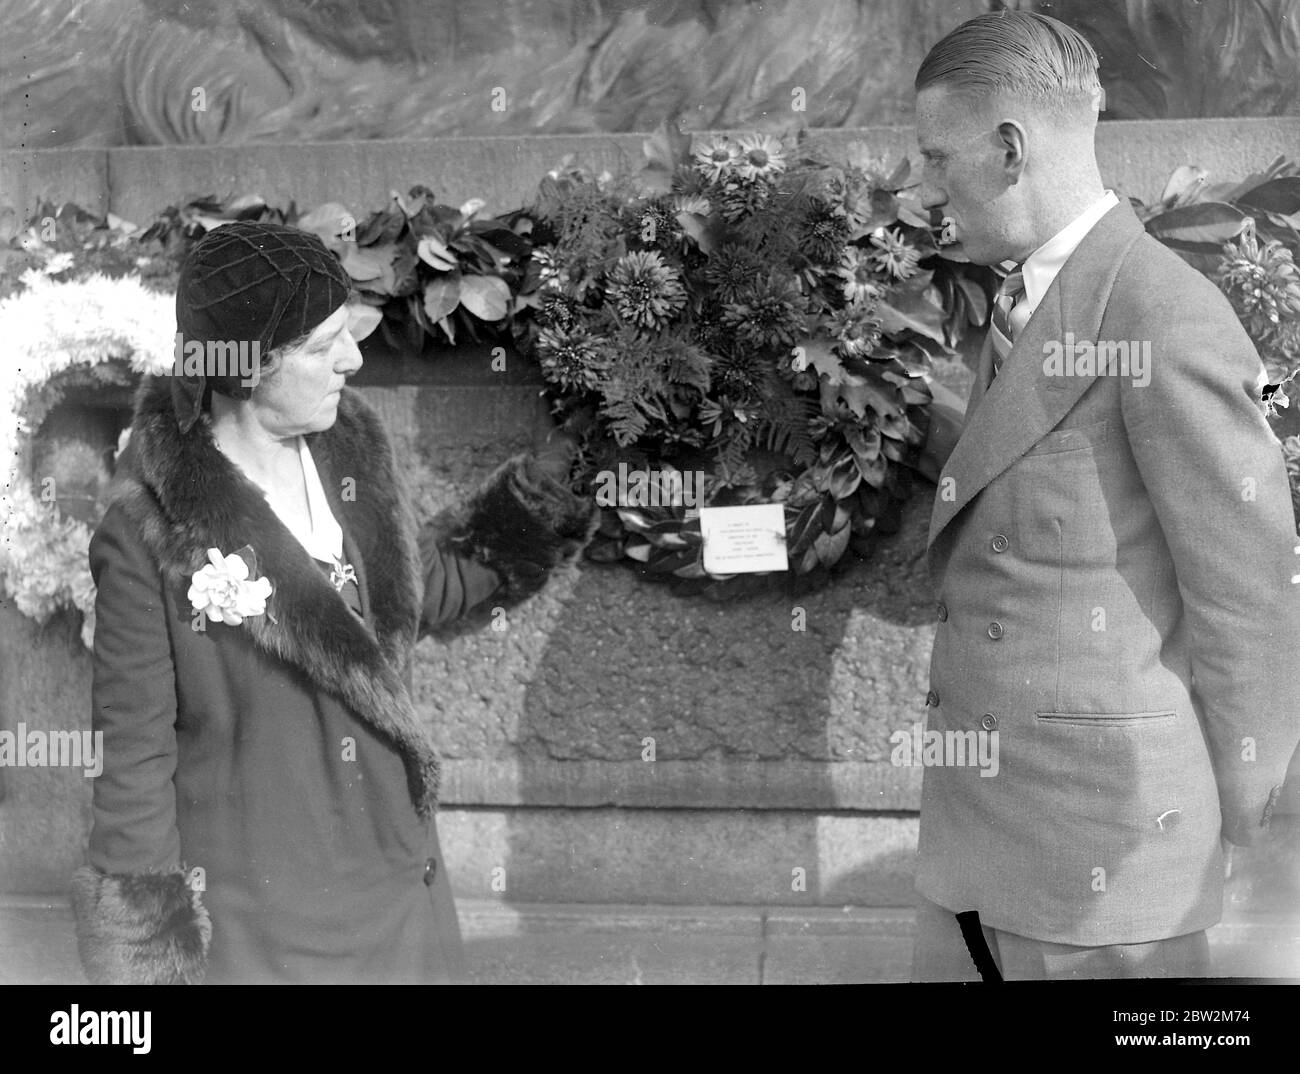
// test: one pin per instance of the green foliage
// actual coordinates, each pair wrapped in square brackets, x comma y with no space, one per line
[67,243]
[1246,237]
[430,269]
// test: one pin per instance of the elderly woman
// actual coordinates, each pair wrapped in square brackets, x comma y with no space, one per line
[266,807]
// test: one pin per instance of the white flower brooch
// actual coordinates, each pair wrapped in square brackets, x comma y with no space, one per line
[225,590]
[341,574]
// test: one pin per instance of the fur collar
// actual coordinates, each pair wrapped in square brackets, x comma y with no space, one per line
[188,497]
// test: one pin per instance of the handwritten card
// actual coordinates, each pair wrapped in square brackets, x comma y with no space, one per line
[744,540]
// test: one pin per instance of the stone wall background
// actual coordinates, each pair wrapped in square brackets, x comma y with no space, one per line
[124,72]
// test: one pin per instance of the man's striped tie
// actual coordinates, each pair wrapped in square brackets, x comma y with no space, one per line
[1007,319]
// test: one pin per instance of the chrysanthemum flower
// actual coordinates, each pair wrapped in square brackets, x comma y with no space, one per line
[716,159]
[558,311]
[768,314]
[645,290]
[856,330]
[823,233]
[1261,279]
[761,157]
[737,374]
[573,360]
[1262,282]
[732,270]
[894,255]
[707,330]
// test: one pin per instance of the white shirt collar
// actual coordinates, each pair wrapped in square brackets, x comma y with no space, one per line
[324,539]
[1044,264]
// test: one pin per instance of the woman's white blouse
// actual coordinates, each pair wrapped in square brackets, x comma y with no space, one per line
[323,540]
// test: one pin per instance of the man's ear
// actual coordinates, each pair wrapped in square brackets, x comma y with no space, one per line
[1013,140]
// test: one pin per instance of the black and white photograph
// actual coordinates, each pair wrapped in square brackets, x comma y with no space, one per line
[652,492]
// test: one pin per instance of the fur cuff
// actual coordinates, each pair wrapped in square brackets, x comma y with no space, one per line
[521,522]
[142,928]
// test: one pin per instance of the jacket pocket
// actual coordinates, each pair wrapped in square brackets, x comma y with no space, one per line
[1099,720]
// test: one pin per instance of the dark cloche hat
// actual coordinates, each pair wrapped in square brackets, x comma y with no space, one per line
[247,282]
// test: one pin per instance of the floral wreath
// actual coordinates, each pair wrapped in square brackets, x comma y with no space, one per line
[758,313]
[52,330]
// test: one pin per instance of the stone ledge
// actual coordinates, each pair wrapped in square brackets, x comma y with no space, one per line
[1136,156]
[680,857]
[811,785]
[557,943]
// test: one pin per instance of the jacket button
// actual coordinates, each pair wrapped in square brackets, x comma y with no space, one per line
[932,700]
[430,870]
[989,722]
[1000,543]
[942,612]
[995,630]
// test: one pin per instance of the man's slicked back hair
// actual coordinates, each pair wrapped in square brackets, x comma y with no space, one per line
[1020,53]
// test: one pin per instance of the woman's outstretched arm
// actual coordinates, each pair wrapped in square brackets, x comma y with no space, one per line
[499,547]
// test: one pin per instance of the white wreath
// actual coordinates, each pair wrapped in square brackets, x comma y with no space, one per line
[46,329]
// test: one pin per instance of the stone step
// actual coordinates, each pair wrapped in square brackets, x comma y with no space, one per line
[603,943]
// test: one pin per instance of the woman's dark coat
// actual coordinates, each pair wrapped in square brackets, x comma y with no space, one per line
[266,807]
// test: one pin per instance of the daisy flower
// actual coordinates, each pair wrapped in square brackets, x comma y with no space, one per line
[761,157]
[716,158]
[859,275]
[894,254]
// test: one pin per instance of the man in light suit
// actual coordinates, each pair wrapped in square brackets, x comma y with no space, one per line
[1112,550]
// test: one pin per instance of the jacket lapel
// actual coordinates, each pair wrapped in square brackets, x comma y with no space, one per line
[983,376]
[361,484]
[189,497]
[1007,414]
[352,555]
